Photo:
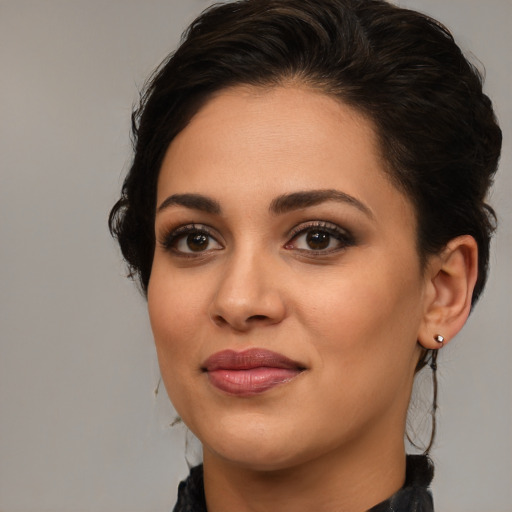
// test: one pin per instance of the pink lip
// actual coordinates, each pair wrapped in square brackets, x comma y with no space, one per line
[249,372]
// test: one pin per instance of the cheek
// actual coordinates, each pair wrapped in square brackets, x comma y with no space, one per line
[173,314]
[174,304]
[365,325]
[364,331]
[357,301]
[168,316]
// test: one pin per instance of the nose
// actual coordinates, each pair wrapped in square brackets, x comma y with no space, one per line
[248,294]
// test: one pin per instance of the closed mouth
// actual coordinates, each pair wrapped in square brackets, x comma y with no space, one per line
[249,372]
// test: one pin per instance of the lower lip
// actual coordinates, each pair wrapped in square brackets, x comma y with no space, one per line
[252,381]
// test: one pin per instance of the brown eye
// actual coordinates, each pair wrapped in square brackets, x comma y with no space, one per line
[318,240]
[190,240]
[197,242]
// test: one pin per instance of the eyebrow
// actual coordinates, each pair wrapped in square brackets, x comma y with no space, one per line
[192,201]
[298,200]
[281,204]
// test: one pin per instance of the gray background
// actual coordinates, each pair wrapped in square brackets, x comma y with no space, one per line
[80,426]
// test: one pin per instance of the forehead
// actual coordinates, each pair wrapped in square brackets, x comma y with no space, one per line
[251,142]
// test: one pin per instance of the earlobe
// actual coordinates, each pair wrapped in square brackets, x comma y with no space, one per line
[451,279]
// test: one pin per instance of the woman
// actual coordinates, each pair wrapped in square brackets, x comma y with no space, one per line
[306,215]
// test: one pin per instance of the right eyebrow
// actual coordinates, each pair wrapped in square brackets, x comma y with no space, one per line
[192,201]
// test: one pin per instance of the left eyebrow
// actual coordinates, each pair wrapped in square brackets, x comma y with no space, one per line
[297,200]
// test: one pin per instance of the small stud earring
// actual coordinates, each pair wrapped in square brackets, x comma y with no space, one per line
[439,339]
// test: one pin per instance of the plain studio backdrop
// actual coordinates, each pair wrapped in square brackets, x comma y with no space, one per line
[80,426]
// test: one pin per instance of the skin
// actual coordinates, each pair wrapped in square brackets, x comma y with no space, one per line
[351,314]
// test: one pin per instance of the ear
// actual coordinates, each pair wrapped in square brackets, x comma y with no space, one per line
[451,277]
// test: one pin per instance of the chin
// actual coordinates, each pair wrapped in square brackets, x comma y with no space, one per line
[260,458]
[254,444]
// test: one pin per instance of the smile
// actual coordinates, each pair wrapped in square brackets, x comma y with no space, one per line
[250,372]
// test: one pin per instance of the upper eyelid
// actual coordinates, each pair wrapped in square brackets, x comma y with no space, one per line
[186,227]
[319,224]
[183,229]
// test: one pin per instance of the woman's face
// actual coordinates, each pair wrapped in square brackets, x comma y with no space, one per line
[286,293]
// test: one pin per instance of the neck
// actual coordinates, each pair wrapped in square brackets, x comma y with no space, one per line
[344,480]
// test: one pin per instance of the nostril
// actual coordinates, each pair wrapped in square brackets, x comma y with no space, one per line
[241,324]
[257,318]
[219,320]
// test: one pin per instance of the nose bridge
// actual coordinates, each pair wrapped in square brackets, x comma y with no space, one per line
[248,291]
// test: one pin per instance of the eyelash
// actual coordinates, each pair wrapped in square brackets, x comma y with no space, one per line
[344,237]
[170,238]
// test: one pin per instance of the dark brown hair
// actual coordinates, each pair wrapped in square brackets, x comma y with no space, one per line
[437,130]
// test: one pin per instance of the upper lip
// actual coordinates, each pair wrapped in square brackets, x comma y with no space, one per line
[248,359]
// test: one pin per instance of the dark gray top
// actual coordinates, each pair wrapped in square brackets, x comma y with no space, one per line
[414,496]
